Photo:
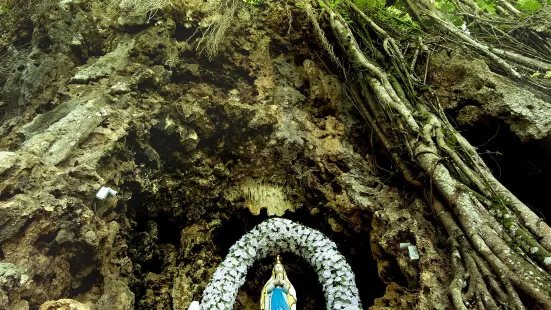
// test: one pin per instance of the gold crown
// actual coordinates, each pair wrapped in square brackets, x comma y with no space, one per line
[278,259]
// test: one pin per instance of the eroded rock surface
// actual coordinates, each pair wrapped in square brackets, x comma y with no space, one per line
[467,86]
[64,304]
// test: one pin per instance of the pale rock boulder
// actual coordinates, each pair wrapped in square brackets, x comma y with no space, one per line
[64,304]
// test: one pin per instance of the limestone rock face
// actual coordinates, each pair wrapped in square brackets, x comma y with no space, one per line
[11,278]
[46,136]
[106,65]
[116,295]
[64,304]
[469,87]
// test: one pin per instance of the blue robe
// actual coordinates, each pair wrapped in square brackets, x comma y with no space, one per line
[279,299]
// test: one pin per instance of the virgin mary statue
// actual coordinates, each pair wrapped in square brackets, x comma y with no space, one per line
[278,293]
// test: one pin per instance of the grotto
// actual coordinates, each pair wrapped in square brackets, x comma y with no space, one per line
[171,154]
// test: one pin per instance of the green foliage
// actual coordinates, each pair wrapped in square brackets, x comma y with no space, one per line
[502,201]
[331,4]
[334,6]
[399,19]
[346,17]
[395,16]
[537,74]
[501,205]
[370,4]
[528,5]
[487,5]
[450,138]
[446,7]
[449,11]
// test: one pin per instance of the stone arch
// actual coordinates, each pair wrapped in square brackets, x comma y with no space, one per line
[274,236]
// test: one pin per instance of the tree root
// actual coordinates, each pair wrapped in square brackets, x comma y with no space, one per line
[485,249]
[215,33]
[508,61]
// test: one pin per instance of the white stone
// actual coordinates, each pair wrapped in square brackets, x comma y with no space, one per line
[413,253]
[104,192]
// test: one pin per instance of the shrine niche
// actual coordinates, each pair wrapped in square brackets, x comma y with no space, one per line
[270,238]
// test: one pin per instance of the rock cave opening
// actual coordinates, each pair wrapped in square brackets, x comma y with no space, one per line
[522,166]
[157,236]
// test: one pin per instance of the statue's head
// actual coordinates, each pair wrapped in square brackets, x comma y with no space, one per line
[278,268]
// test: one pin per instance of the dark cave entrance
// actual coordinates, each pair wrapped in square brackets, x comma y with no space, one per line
[154,231]
[523,167]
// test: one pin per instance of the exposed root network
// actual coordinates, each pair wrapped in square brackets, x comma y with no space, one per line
[500,248]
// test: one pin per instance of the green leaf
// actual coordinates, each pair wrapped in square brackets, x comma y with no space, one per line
[489,7]
[370,4]
[447,8]
[528,5]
